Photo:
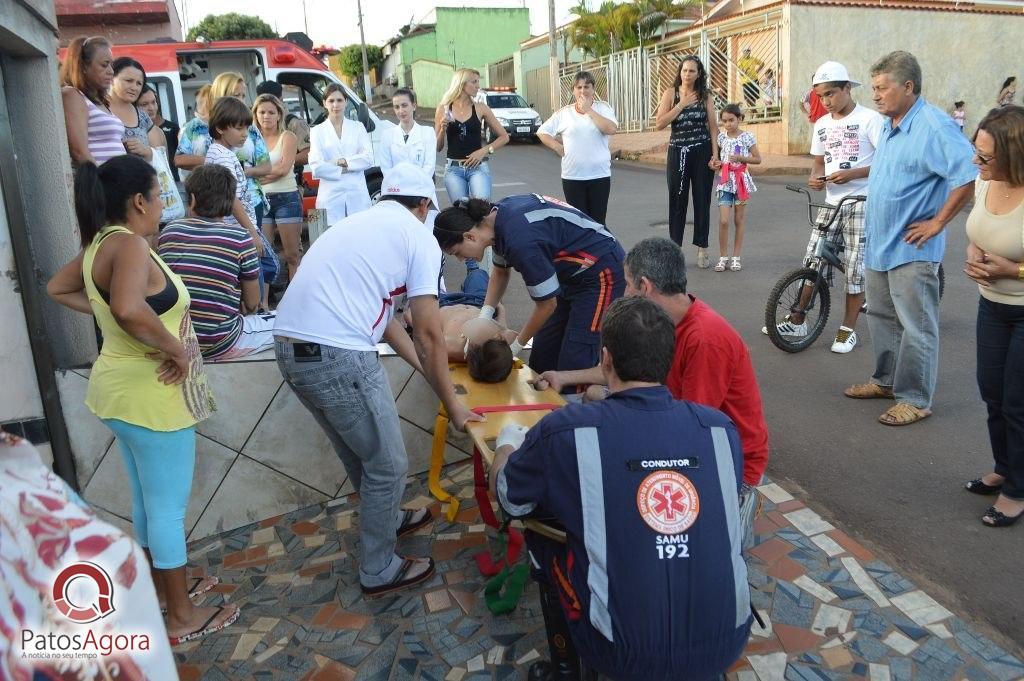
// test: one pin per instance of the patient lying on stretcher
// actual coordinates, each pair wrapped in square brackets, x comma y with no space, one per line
[483,344]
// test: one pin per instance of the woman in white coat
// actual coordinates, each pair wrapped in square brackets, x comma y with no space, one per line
[339,152]
[407,141]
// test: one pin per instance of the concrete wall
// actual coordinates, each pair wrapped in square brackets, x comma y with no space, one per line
[19,400]
[973,75]
[422,46]
[124,34]
[431,79]
[479,35]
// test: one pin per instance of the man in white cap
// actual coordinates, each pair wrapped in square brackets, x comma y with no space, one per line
[843,143]
[337,308]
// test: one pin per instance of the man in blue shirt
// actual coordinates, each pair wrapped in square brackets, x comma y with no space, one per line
[921,176]
[650,583]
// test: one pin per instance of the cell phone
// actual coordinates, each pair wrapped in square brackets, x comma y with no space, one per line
[822,178]
[448,115]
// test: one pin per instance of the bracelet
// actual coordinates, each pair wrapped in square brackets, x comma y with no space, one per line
[1020,272]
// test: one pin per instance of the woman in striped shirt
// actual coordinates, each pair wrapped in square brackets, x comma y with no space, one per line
[94,133]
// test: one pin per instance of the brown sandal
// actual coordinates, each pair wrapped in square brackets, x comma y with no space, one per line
[903,414]
[402,580]
[868,391]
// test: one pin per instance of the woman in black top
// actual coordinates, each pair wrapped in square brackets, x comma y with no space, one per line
[692,152]
[458,121]
[150,103]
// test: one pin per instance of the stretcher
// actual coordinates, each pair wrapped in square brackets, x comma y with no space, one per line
[514,401]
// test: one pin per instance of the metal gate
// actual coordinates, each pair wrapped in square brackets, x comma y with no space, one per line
[632,81]
[501,74]
[539,90]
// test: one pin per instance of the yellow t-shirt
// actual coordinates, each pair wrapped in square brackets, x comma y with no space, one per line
[750,69]
[123,383]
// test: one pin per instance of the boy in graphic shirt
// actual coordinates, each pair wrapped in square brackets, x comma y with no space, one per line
[843,142]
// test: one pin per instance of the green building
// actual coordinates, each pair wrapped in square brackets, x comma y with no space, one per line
[449,38]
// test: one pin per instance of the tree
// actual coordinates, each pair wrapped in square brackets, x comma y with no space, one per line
[351,59]
[232,26]
[613,27]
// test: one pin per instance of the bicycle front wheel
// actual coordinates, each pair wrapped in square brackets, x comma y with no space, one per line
[803,292]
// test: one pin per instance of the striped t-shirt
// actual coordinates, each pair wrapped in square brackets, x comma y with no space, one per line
[212,257]
[105,133]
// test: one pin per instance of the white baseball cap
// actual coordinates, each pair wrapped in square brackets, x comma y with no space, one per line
[833,72]
[405,179]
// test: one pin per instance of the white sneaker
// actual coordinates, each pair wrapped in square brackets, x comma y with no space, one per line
[845,341]
[788,328]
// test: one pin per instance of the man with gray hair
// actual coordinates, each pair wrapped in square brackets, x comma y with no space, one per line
[711,364]
[921,176]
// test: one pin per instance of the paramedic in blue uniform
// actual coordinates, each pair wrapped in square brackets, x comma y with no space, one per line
[571,265]
[650,584]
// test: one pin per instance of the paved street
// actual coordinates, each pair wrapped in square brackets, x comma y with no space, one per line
[898,490]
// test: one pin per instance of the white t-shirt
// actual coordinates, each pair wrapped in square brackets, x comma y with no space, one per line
[344,293]
[418,149]
[586,148]
[847,143]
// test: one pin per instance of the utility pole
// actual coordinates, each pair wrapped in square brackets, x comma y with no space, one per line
[553,59]
[366,62]
[305,19]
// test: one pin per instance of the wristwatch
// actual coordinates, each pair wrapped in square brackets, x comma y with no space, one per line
[490,148]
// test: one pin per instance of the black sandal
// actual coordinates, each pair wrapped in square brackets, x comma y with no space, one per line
[994,518]
[409,525]
[976,486]
[401,581]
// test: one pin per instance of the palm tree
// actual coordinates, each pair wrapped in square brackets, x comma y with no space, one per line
[614,27]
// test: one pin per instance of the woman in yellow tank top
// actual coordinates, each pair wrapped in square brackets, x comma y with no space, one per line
[147,385]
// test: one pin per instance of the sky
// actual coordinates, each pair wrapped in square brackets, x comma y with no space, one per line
[335,22]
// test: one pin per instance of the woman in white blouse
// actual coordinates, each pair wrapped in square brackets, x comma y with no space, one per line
[408,141]
[339,152]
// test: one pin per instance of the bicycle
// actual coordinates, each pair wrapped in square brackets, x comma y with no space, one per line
[805,291]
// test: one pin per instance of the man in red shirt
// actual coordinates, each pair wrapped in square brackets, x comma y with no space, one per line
[711,365]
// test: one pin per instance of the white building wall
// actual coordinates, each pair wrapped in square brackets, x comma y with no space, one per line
[19,398]
[949,73]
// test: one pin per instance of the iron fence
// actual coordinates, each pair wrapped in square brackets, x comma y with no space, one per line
[742,57]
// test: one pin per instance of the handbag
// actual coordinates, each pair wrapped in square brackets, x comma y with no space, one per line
[174,207]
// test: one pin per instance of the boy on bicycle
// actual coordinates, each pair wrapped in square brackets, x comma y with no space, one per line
[842,143]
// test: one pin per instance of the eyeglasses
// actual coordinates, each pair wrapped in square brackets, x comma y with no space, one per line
[982,159]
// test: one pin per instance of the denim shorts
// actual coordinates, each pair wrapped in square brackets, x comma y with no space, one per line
[729,199]
[285,208]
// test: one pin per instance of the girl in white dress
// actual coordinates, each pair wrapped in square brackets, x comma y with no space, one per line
[339,152]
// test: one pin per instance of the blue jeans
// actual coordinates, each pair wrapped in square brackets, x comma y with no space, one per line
[461,183]
[1001,382]
[474,288]
[159,466]
[904,325]
[348,393]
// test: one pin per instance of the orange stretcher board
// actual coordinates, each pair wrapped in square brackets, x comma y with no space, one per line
[516,391]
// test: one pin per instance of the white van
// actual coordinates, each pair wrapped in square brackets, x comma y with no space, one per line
[178,70]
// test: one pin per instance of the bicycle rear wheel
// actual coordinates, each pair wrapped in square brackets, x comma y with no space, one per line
[789,295]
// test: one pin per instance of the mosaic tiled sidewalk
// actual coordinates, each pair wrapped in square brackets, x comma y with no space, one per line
[833,611]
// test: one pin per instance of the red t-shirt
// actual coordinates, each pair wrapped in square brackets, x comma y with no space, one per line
[712,366]
[817,108]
